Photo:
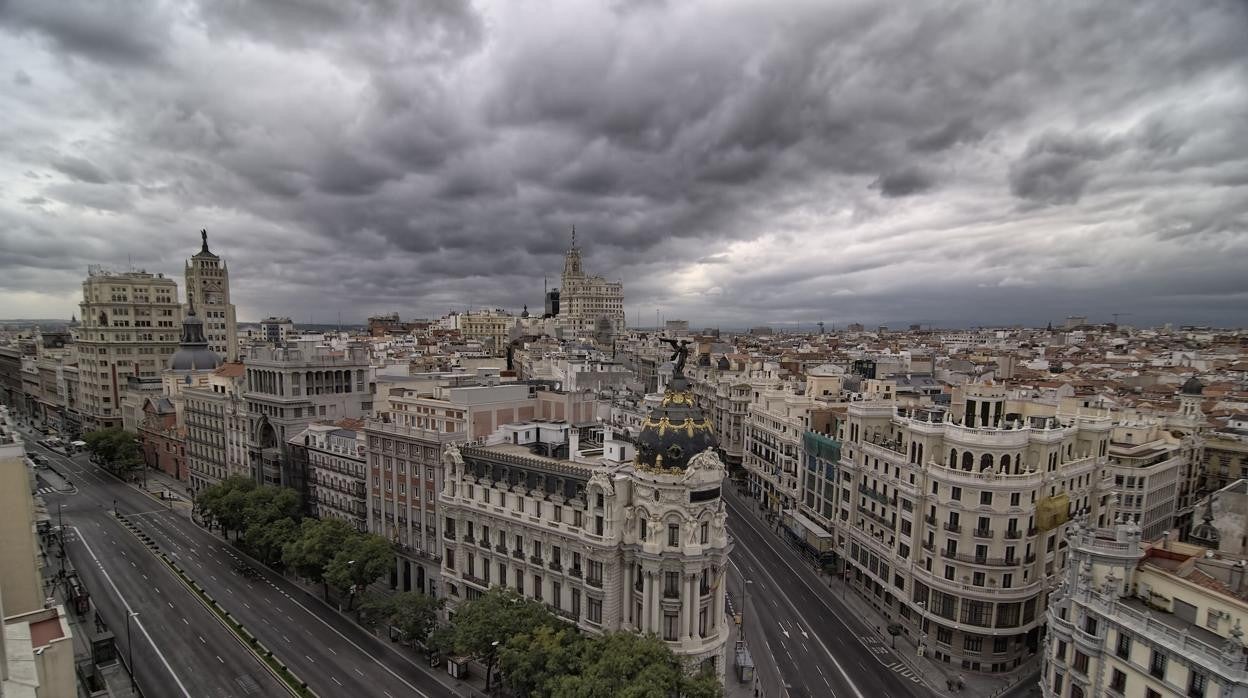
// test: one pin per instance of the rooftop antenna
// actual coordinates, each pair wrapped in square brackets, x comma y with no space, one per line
[574,237]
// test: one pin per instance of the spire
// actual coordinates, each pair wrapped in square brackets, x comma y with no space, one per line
[574,237]
[203,234]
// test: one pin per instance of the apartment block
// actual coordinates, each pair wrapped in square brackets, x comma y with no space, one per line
[336,458]
[1157,620]
[214,415]
[130,327]
[954,518]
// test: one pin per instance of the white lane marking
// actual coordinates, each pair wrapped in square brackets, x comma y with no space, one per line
[335,678]
[219,659]
[201,640]
[331,649]
[797,614]
[185,622]
[285,638]
[137,621]
[309,659]
[357,670]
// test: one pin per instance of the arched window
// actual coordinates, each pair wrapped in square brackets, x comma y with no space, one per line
[1005,463]
[985,462]
[953,458]
[968,460]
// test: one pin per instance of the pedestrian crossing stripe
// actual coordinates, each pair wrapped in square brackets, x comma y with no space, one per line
[46,490]
[904,671]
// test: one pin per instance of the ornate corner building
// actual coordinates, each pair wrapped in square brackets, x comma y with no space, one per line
[624,535]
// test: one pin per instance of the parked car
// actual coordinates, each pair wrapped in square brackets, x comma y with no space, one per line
[41,461]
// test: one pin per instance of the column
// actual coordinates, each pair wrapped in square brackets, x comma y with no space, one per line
[626,595]
[695,603]
[687,601]
[647,604]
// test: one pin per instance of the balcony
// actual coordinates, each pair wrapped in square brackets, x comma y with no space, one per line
[476,580]
[928,546]
[980,559]
[1013,533]
[982,533]
[554,565]
[931,520]
[952,527]
[518,554]
[536,560]
[575,572]
[670,593]
[878,518]
[595,582]
[501,548]
[873,494]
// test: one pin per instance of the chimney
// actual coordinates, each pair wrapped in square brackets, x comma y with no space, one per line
[574,443]
[1237,577]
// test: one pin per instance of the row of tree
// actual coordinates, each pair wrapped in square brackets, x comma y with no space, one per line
[267,523]
[538,654]
[115,449]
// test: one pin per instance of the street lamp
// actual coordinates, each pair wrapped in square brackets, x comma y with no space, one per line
[745,600]
[922,627]
[489,666]
[130,648]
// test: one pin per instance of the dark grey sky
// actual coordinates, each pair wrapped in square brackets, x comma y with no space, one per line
[732,162]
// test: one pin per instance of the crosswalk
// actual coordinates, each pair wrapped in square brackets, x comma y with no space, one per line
[47,490]
[874,644]
[904,671]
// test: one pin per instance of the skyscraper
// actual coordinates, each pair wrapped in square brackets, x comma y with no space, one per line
[208,288]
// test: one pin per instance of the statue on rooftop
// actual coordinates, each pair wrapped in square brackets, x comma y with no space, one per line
[679,355]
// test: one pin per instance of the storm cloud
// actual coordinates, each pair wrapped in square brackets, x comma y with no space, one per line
[733,163]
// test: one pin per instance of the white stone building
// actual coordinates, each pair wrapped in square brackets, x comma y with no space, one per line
[207,278]
[1154,620]
[588,305]
[952,521]
[628,541]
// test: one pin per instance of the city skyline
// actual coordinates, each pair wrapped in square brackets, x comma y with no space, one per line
[732,165]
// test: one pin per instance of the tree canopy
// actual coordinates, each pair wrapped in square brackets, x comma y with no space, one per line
[414,614]
[115,448]
[362,559]
[541,655]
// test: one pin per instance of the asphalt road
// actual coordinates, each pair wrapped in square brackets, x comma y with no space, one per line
[332,655]
[794,622]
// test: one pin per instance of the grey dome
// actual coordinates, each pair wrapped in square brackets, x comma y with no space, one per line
[1193,386]
[194,354]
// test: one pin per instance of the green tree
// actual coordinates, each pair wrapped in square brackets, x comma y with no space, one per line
[363,558]
[115,448]
[268,542]
[319,540]
[482,625]
[627,665]
[531,661]
[414,614]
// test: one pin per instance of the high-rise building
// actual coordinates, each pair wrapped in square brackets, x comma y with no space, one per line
[130,323]
[208,288]
[584,300]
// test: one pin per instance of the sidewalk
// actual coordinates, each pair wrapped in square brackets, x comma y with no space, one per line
[935,675]
[158,483]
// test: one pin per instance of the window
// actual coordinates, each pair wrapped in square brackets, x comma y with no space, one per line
[537,587]
[1211,621]
[670,626]
[702,623]
[1124,645]
[1157,665]
[1081,662]
[641,529]
[598,525]
[1057,683]
[985,498]
[972,643]
[1060,653]
[1118,682]
[673,535]
[594,576]
[595,608]
[1089,625]
[1076,691]
[671,585]
[1000,645]
[955,493]
[705,533]
[944,635]
[1197,684]
[576,603]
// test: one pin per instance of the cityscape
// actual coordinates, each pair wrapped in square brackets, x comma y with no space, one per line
[843,350]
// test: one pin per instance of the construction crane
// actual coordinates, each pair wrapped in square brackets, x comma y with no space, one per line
[1118,315]
[820,323]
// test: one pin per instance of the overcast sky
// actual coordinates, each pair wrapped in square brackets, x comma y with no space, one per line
[733,163]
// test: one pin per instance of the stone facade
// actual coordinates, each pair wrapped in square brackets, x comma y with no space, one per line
[207,279]
[130,326]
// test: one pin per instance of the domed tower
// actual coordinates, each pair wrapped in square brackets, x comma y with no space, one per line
[1190,397]
[675,529]
[193,354]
